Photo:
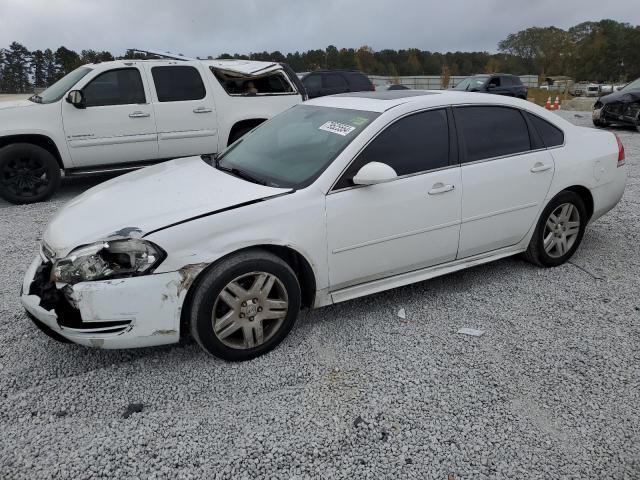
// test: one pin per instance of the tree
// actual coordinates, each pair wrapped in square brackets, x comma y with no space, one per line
[493,66]
[16,71]
[445,76]
[544,49]
[365,60]
[38,69]
[67,61]
[50,67]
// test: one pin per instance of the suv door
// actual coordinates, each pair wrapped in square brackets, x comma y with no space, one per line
[185,110]
[505,180]
[117,124]
[406,224]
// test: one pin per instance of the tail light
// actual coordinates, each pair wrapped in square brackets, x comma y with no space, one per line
[621,156]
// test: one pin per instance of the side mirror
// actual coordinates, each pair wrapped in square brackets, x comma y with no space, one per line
[373,173]
[76,98]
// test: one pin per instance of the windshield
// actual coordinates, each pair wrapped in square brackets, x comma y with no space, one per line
[56,91]
[293,149]
[635,85]
[471,83]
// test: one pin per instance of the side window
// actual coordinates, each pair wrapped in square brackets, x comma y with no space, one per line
[272,83]
[413,144]
[312,82]
[551,135]
[177,83]
[115,87]
[507,81]
[358,80]
[333,80]
[494,82]
[490,132]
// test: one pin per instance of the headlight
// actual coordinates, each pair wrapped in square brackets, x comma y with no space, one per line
[109,259]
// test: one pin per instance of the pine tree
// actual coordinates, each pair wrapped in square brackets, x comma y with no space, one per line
[17,69]
[38,69]
[50,67]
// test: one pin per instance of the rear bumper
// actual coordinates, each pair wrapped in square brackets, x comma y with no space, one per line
[124,313]
[607,196]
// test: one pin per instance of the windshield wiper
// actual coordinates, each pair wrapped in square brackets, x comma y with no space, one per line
[239,173]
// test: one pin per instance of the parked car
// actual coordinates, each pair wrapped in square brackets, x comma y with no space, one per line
[127,113]
[620,107]
[333,199]
[497,84]
[331,82]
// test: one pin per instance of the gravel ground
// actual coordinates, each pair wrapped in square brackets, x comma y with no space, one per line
[551,390]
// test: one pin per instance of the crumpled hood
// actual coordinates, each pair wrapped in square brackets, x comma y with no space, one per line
[17,104]
[621,96]
[148,199]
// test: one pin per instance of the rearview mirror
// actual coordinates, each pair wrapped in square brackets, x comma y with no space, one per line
[76,98]
[373,173]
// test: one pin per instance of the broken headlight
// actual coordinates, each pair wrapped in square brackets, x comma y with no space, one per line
[108,259]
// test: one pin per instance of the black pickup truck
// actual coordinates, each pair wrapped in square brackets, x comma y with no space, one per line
[497,83]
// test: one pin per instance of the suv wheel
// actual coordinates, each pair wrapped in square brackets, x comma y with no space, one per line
[559,231]
[28,173]
[245,306]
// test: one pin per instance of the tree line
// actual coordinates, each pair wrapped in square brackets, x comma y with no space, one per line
[598,51]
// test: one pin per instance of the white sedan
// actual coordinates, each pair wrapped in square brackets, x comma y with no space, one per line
[333,199]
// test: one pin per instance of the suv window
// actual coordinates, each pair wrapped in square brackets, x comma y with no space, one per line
[507,81]
[413,144]
[489,132]
[515,80]
[312,82]
[551,135]
[333,80]
[495,81]
[269,84]
[357,79]
[122,86]
[178,83]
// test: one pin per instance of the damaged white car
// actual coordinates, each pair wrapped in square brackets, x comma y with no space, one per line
[331,200]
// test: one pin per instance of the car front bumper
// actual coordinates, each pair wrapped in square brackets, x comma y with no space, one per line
[121,313]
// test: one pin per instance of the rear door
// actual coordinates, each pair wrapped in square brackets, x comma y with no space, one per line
[185,110]
[505,177]
[117,125]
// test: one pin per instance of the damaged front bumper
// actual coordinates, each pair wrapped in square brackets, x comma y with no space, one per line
[121,313]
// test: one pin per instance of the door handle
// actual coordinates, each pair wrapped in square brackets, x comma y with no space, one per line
[540,167]
[139,114]
[439,188]
[202,110]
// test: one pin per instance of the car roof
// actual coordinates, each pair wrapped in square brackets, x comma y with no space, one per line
[388,99]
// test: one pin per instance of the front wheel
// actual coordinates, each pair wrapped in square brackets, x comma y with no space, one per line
[559,230]
[245,305]
[28,173]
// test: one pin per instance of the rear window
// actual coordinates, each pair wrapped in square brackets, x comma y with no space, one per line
[551,135]
[490,132]
[358,79]
[178,83]
[516,80]
[312,82]
[273,83]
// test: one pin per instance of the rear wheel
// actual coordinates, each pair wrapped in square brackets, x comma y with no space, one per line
[245,306]
[28,173]
[559,230]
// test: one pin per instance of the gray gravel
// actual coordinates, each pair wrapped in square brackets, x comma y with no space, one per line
[551,390]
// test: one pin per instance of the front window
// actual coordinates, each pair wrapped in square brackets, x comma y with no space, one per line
[294,148]
[471,84]
[56,91]
[635,85]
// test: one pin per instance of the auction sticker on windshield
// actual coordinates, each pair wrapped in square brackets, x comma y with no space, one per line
[335,127]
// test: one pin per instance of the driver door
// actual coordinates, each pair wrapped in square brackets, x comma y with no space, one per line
[406,224]
[117,124]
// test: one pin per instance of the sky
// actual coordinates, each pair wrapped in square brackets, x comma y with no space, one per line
[212,27]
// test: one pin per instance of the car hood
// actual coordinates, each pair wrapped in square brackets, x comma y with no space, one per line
[621,96]
[148,199]
[6,105]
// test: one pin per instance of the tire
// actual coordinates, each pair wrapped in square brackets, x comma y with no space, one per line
[241,132]
[253,298]
[28,173]
[563,244]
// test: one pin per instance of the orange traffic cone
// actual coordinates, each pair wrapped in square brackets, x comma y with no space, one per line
[548,104]
[556,104]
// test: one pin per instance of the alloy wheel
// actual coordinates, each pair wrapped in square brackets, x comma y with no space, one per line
[250,310]
[25,176]
[561,230]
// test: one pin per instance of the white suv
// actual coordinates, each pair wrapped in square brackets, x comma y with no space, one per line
[129,113]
